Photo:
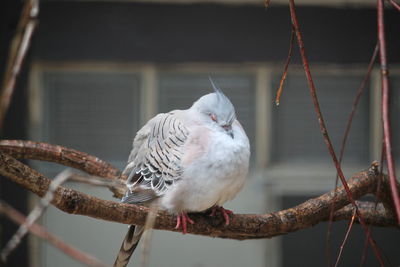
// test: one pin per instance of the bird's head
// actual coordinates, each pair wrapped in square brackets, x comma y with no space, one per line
[217,109]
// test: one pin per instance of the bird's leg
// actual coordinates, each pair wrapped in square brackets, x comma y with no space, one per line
[224,212]
[181,220]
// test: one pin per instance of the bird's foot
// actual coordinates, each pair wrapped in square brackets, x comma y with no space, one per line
[181,221]
[224,212]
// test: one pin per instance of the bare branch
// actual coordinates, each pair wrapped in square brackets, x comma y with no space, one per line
[18,49]
[394,4]
[385,108]
[22,149]
[324,131]
[285,70]
[34,215]
[357,99]
[41,232]
[65,156]
[345,238]
[117,185]
[242,226]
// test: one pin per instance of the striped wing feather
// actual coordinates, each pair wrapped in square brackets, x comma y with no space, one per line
[155,161]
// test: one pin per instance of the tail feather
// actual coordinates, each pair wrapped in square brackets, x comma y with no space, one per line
[128,245]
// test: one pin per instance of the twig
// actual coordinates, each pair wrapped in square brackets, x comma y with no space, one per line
[394,4]
[359,93]
[147,234]
[385,108]
[323,128]
[34,215]
[41,232]
[98,181]
[18,50]
[289,57]
[242,226]
[345,238]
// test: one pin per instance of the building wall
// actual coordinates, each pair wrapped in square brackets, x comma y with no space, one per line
[145,48]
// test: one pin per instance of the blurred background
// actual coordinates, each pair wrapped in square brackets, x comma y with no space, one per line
[98,70]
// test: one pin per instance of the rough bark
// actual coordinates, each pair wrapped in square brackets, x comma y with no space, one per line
[242,226]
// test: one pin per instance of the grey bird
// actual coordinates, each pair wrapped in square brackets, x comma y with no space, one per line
[188,161]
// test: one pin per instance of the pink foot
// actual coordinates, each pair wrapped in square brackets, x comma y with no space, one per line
[181,220]
[224,212]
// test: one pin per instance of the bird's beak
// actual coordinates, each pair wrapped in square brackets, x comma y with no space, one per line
[228,129]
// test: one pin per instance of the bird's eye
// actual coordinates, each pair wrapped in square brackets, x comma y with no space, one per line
[213,117]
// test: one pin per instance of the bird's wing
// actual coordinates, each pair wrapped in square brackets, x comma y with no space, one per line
[155,161]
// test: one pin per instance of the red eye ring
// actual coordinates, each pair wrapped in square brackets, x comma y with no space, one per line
[213,117]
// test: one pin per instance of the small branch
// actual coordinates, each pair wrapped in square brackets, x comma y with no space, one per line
[394,4]
[18,49]
[41,232]
[242,226]
[117,186]
[359,93]
[345,238]
[385,108]
[34,215]
[373,214]
[322,125]
[283,78]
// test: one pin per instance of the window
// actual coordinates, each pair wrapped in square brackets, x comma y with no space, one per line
[97,108]
[95,111]
[296,112]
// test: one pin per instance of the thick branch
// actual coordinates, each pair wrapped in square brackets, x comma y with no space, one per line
[242,226]
[21,149]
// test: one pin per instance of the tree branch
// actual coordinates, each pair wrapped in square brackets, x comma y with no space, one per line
[18,50]
[242,226]
[41,232]
[21,149]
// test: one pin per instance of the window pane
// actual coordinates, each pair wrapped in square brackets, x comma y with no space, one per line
[296,133]
[94,112]
[179,91]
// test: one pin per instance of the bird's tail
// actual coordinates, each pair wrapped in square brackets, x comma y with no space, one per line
[128,245]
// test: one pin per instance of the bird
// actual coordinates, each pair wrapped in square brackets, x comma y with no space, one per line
[186,161]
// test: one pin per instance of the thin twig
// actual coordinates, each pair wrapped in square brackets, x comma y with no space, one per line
[148,233]
[18,50]
[395,5]
[385,109]
[289,57]
[345,238]
[356,101]
[34,215]
[42,233]
[98,181]
[321,121]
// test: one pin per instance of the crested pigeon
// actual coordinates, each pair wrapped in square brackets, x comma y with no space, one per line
[188,161]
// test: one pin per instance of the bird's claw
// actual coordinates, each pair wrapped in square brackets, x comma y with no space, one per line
[181,220]
[224,212]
